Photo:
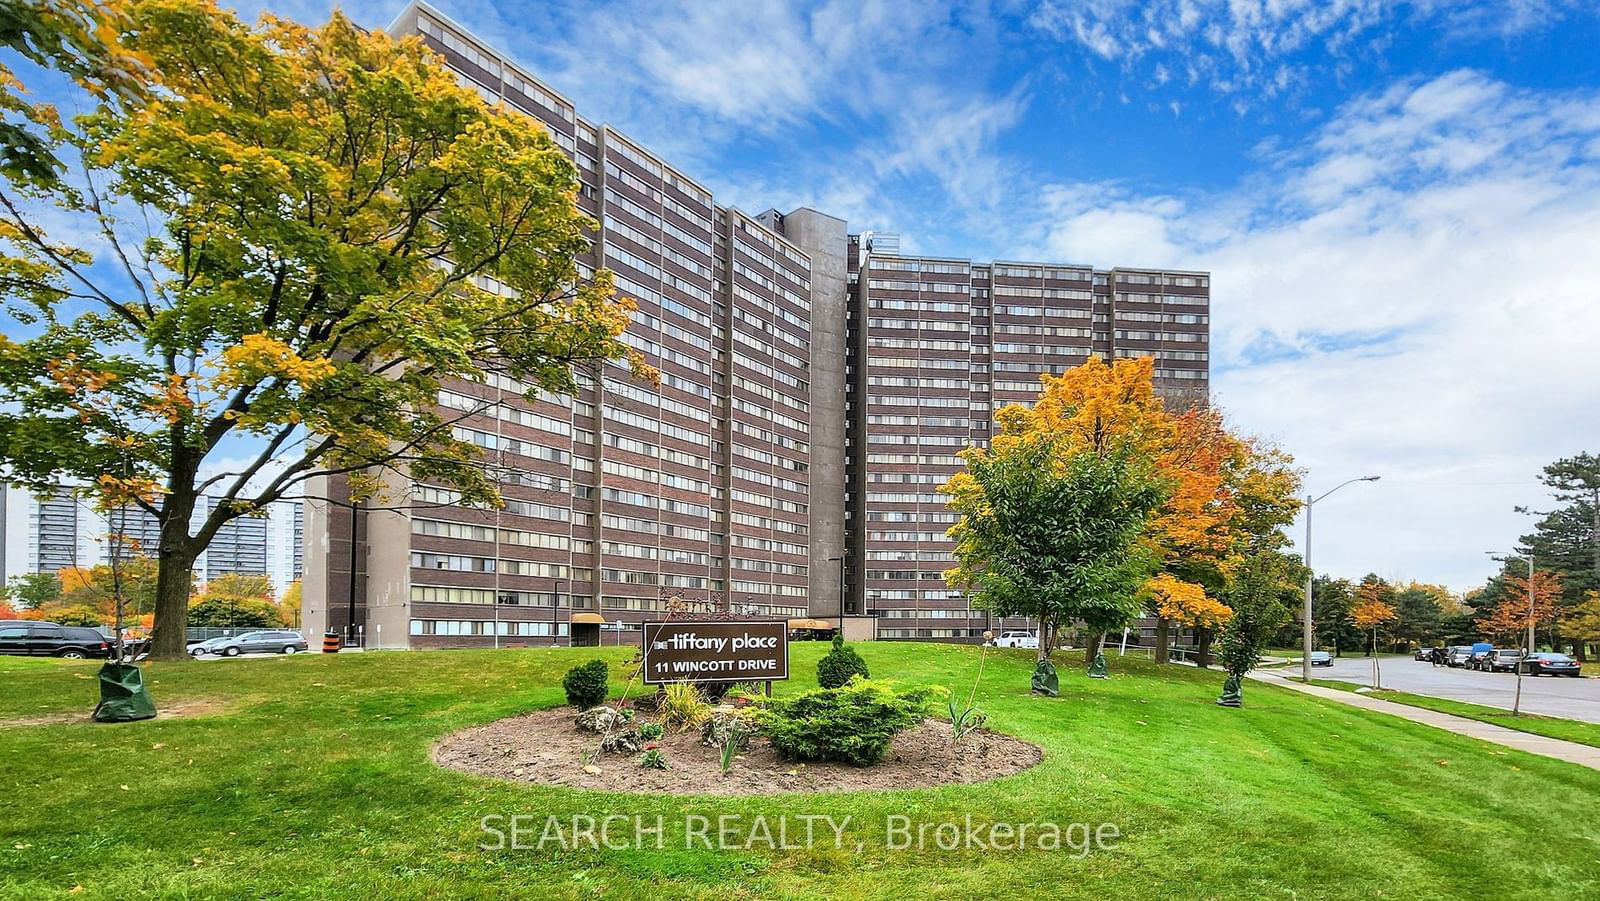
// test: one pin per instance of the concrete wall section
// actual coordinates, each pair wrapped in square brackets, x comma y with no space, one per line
[824,239]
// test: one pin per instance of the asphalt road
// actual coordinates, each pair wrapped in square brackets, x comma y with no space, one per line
[1576,699]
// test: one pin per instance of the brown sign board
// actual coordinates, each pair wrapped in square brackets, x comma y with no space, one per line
[715,651]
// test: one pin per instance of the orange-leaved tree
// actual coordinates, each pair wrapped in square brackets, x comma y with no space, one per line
[1186,602]
[1228,496]
[1511,618]
[1231,496]
[1372,610]
[1054,514]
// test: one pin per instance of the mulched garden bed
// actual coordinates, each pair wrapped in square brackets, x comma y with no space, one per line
[546,748]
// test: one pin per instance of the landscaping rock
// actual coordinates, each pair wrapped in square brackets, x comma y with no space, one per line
[602,719]
[724,720]
[625,742]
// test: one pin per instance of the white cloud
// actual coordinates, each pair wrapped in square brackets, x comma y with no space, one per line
[1411,291]
[1240,46]
[854,104]
[1413,294]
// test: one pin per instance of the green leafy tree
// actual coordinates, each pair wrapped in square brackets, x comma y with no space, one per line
[1261,594]
[1458,627]
[74,38]
[1576,480]
[1053,536]
[1420,609]
[294,248]
[225,612]
[1566,540]
[1331,602]
[237,600]
[30,591]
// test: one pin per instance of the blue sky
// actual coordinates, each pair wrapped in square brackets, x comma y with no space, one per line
[1399,202]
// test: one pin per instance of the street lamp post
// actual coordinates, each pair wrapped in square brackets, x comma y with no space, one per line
[1527,650]
[1305,662]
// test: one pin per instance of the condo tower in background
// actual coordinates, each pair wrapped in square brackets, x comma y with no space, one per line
[815,387]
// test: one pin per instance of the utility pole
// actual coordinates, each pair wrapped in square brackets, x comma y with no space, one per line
[1308,636]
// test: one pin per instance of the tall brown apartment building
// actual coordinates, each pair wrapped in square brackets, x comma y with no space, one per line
[814,392]
[936,345]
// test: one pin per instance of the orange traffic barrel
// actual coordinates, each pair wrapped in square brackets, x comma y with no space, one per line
[331,643]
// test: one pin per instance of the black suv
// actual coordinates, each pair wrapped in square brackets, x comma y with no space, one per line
[30,639]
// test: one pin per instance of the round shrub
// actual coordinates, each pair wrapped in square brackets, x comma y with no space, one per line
[838,665]
[853,724]
[585,684]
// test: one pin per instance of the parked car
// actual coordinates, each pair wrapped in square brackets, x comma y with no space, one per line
[279,641]
[1017,640]
[1321,658]
[1500,660]
[1458,656]
[1545,663]
[1479,651]
[29,639]
[1426,654]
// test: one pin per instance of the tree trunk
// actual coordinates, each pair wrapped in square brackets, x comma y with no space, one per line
[1163,651]
[1095,640]
[1047,637]
[1202,641]
[174,578]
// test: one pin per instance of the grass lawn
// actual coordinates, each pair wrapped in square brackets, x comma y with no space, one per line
[312,779]
[1554,727]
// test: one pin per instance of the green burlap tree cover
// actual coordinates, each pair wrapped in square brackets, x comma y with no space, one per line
[1045,681]
[1232,691]
[1097,667]
[123,697]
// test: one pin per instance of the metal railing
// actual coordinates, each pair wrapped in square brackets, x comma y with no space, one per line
[202,633]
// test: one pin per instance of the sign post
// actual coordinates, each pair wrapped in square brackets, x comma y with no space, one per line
[715,651]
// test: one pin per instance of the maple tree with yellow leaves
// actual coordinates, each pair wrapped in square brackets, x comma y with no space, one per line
[300,234]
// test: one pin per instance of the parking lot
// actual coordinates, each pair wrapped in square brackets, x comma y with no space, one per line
[1577,699]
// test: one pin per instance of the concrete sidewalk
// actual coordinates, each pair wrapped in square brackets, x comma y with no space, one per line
[1572,752]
